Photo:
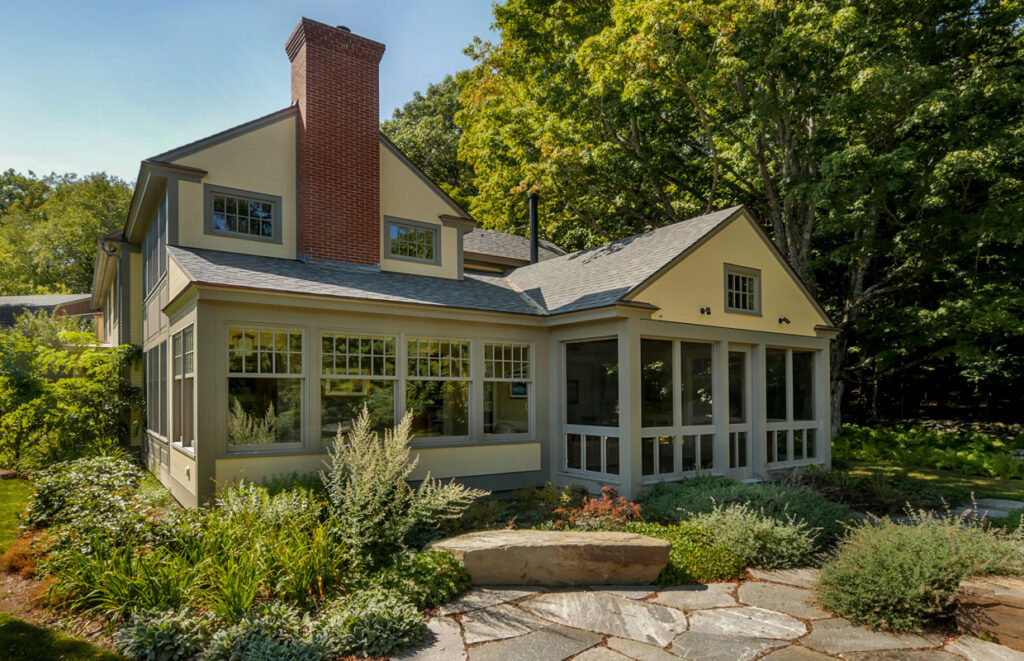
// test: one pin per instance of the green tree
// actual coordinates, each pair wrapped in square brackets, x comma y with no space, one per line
[879,141]
[425,129]
[49,228]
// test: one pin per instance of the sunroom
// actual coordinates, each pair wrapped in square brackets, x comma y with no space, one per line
[648,401]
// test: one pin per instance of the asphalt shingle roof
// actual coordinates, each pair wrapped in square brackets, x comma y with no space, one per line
[511,246]
[578,281]
[602,276]
[476,291]
[12,306]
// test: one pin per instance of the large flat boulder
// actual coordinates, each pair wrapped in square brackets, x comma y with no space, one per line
[548,557]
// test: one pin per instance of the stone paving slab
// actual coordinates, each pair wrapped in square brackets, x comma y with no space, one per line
[701,646]
[445,644]
[747,621]
[697,596]
[805,577]
[640,651]
[1000,504]
[497,622]
[797,653]
[627,591]
[837,636]
[607,614]
[901,655]
[552,643]
[601,654]
[482,597]
[976,649]
[980,512]
[782,598]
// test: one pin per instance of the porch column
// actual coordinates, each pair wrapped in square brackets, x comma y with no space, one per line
[720,405]
[758,408]
[630,402]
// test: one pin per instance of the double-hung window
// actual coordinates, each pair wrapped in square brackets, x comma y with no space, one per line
[154,250]
[791,430]
[156,390]
[507,388]
[265,386]
[437,386]
[742,290]
[182,398]
[357,370]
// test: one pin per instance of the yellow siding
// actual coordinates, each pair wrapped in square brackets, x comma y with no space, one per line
[699,281]
[176,279]
[403,194]
[261,161]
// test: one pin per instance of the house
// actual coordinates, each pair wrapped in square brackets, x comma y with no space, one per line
[72,305]
[299,266]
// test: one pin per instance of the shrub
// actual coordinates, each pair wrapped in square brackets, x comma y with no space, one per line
[273,632]
[426,579]
[163,635]
[609,512]
[901,577]
[374,622]
[760,541]
[375,510]
[679,501]
[695,555]
[68,490]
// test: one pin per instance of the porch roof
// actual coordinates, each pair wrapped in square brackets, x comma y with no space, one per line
[605,275]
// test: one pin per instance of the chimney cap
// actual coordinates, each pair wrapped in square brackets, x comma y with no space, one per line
[343,27]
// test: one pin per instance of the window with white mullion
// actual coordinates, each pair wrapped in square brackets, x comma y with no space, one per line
[182,399]
[507,388]
[791,427]
[266,386]
[357,370]
[437,379]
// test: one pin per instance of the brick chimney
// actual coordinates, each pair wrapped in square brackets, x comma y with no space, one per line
[334,82]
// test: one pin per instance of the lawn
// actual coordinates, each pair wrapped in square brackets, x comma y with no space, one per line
[13,496]
[983,487]
[22,641]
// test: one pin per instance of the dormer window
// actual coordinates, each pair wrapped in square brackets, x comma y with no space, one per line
[742,290]
[413,241]
[242,214]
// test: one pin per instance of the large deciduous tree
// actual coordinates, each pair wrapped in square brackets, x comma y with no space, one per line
[879,141]
[49,227]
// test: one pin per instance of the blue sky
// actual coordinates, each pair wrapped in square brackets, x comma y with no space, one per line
[100,85]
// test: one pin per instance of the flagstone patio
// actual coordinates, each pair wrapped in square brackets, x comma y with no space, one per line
[771,617]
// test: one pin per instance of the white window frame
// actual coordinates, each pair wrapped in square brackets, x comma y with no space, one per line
[271,448]
[732,270]
[678,431]
[396,378]
[785,431]
[739,432]
[406,377]
[182,370]
[528,380]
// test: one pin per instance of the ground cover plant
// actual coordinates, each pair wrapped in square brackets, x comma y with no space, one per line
[967,453]
[902,577]
[290,574]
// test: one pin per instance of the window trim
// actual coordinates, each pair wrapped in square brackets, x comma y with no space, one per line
[303,378]
[274,200]
[530,392]
[734,269]
[178,403]
[393,221]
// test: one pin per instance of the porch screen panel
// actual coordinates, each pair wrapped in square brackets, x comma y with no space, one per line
[591,400]
[656,383]
[791,433]
[697,382]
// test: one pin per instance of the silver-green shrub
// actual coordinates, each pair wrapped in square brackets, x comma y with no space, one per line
[373,507]
[154,635]
[374,622]
[778,542]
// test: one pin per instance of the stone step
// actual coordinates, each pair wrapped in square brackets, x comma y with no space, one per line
[550,557]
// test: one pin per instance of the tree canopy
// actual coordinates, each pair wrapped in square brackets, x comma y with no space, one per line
[879,141]
[49,227]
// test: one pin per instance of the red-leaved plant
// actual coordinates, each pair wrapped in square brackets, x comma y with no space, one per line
[608,512]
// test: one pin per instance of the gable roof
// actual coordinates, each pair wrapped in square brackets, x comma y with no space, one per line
[508,246]
[12,306]
[605,275]
[476,291]
[227,134]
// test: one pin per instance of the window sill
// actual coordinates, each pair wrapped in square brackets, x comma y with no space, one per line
[188,452]
[602,478]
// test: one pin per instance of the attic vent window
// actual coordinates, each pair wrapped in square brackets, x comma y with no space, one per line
[242,214]
[413,241]
[742,290]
